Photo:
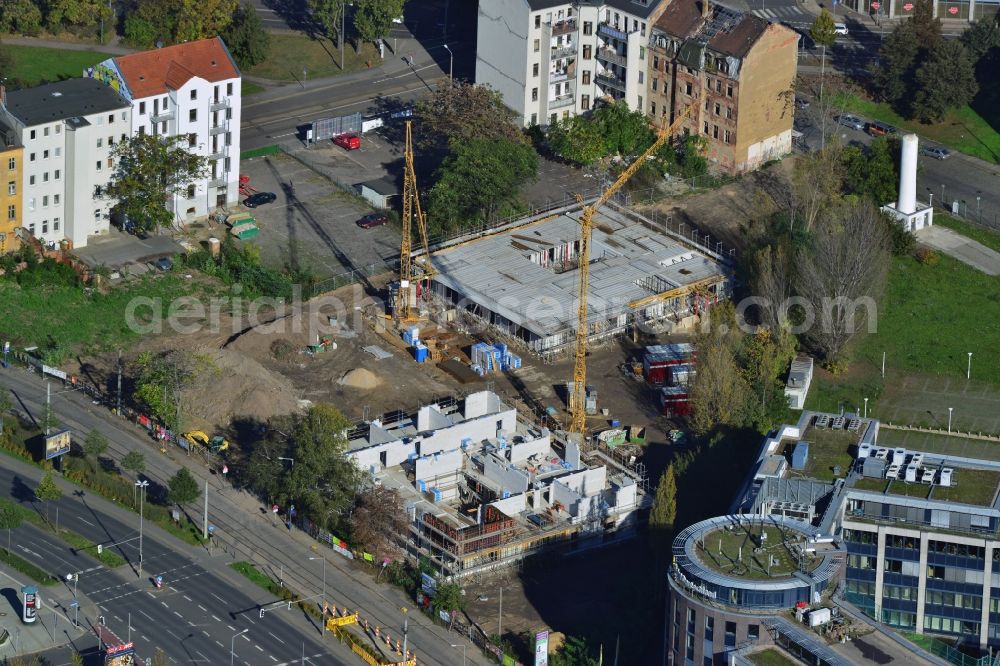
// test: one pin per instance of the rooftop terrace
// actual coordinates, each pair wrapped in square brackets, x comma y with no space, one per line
[740,551]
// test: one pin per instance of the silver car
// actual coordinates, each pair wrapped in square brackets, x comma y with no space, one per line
[936,153]
[847,120]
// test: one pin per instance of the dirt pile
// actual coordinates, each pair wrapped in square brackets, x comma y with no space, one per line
[360,378]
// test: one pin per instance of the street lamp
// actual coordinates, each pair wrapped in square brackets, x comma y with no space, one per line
[232,647]
[463,652]
[866,407]
[142,497]
[75,577]
[949,418]
[324,589]
[979,210]
[968,370]
[451,61]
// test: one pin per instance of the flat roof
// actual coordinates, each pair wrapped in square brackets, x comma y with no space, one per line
[512,273]
[969,486]
[62,100]
[944,445]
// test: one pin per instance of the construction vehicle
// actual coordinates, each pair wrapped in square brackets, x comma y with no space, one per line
[215,444]
[578,399]
[411,211]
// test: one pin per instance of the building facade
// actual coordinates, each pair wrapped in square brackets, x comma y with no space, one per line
[11,158]
[552,59]
[738,68]
[68,131]
[966,10]
[191,92]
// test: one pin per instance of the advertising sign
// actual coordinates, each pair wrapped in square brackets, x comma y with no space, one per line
[119,655]
[428,584]
[29,603]
[542,648]
[57,444]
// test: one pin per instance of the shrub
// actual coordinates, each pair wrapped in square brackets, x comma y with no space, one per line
[927,257]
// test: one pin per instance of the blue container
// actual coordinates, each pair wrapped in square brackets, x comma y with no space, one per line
[615,423]
[420,353]
[422,485]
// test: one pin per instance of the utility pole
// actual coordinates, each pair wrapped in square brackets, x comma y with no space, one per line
[500,615]
[48,406]
[204,525]
[343,22]
[405,636]
[142,497]
[119,382]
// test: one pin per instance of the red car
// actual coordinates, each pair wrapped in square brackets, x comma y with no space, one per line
[373,220]
[348,141]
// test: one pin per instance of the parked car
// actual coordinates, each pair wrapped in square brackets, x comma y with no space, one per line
[876,128]
[936,152]
[839,29]
[128,225]
[259,199]
[847,120]
[373,220]
[348,141]
[164,263]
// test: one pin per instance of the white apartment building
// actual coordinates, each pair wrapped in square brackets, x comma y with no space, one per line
[68,130]
[551,59]
[190,91]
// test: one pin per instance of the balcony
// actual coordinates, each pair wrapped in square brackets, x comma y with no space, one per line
[217,181]
[561,101]
[219,104]
[558,76]
[563,27]
[612,56]
[166,114]
[217,153]
[614,32]
[609,81]
[221,128]
[564,51]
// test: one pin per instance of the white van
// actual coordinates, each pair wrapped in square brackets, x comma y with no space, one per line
[839,29]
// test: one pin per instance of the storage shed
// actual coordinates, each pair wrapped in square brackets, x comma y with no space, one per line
[378,192]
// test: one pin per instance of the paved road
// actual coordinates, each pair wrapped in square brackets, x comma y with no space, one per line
[192,619]
[252,535]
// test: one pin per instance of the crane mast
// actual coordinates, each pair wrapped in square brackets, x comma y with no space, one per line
[578,424]
[411,210]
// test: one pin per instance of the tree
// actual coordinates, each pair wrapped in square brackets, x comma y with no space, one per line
[818,182]
[718,392]
[379,522]
[47,491]
[5,405]
[946,80]
[824,33]
[329,14]
[981,37]
[176,21]
[148,171]
[449,598]
[183,487]
[477,179]
[764,358]
[574,652]
[198,19]
[626,132]
[771,282]
[925,25]
[161,380]
[664,511]
[462,112]
[21,17]
[873,172]
[576,139]
[246,37]
[11,517]
[75,659]
[898,56]
[842,275]
[95,444]
[134,461]
[60,14]
[373,18]
[160,658]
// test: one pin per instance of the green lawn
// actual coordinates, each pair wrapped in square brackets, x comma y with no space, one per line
[33,64]
[247,88]
[971,486]
[106,557]
[962,129]
[731,552]
[29,569]
[290,54]
[827,449]
[770,657]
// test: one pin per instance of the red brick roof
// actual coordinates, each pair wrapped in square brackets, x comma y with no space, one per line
[154,72]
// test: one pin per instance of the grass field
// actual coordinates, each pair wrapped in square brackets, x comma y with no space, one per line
[962,129]
[770,657]
[972,486]
[944,444]
[33,64]
[732,552]
[827,449]
[292,53]
[247,88]
[108,558]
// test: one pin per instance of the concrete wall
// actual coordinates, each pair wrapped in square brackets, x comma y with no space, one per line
[586,482]
[764,121]
[395,452]
[82,176]
[430,418]
[505,475]
[439,464]
[569,498]
[626,494]
[636,68]
[524,450]
[512,505]
[502,47]
[484,427]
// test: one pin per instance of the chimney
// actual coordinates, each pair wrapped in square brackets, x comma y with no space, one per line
[704,9]
[907,203]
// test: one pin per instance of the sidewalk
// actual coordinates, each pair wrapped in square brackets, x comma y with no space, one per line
[113,47]
[54,626]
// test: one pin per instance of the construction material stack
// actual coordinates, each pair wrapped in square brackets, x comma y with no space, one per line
[671,364]
[487,359]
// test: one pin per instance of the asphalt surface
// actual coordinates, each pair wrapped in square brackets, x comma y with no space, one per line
[242,529]
[192,618]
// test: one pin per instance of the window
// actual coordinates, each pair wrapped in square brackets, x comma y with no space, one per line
[111,162]
[730,634]
[31,180]
[728,137]
[142,130]
[534,94]
[192,140]
[31,157]
[111,141]
[45,154]
[534,119]
[32,134]
[45,226]
[100,142]
[585,102]
[638,107]
[586,51]
[709,628]
[652,109]
[97,214]
[718,108]
[12,163]
[538,20]
[31,228]
[687,88]
[55,224]
[586,77]
[715,131]
[98,165]
[642,53]
[689,647]
[12,212]
[753,632]
[729,91]
[642,78]
[718,85]
[142,108]
[229,113]
[229,88]
[11,187]
[193,115]
[45,177]
[55,199]
[194,93]
[57,174]
[654,83]
[706,128]
[729,112]
[45,131]
[588,28]
[534,70]
[190,191]
[553,118]
[215,93]
[111,118]
[58,151]
[45,201]
[538,45]
[31,204]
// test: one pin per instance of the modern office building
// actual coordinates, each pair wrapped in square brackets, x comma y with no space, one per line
[189,91]
[551,59]
[68,131]
[740,71]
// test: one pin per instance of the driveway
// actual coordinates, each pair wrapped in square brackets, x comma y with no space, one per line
[118,249]
[967,251]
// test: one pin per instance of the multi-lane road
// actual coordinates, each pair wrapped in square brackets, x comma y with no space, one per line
[243,528]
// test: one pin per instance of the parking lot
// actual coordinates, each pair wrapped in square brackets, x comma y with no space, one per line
[118,249]
[312,224]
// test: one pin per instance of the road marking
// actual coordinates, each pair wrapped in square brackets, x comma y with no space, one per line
[272,658]
[246,638]
[84,520]
[203,609]
[165,604]
[230,627]
[188,598]
[172,633]
[259,648]
[207,661]
[276,638]
[218,597]
[178,615]
[219,644]
[207,635]
[216,619]
[117,618]
[145,614]
[144,637]
[150,594]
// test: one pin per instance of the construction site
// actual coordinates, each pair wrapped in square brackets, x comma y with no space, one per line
[484,488]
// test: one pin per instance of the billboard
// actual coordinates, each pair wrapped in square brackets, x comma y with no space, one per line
[57,444]
[542,648]
[119,655]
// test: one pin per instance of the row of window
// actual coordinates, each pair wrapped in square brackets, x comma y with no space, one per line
[45,202]
[951,625]
[164,106]
[58,129]
[953,599]
[45,226]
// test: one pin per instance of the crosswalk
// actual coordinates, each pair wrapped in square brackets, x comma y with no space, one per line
[787,14]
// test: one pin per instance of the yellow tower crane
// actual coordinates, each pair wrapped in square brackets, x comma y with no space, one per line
[411,210]
[578,424]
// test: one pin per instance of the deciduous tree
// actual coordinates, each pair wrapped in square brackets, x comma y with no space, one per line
[873,171]
[946,80]
[576,139]
[328,14]
[162,378]
[771,283]
[183,487]
[95,444]
[449,598]
[664,512]
[22,17]
[626,132]
[5,405]
[47,491]
[60,14]
[373,18]
[379,522]
[134,461]
[11,517]
[823,32]
[246,37]
[148,170]
[818,182]
[461,112]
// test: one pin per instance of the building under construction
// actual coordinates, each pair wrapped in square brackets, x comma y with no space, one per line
[523,279]
[484,489]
